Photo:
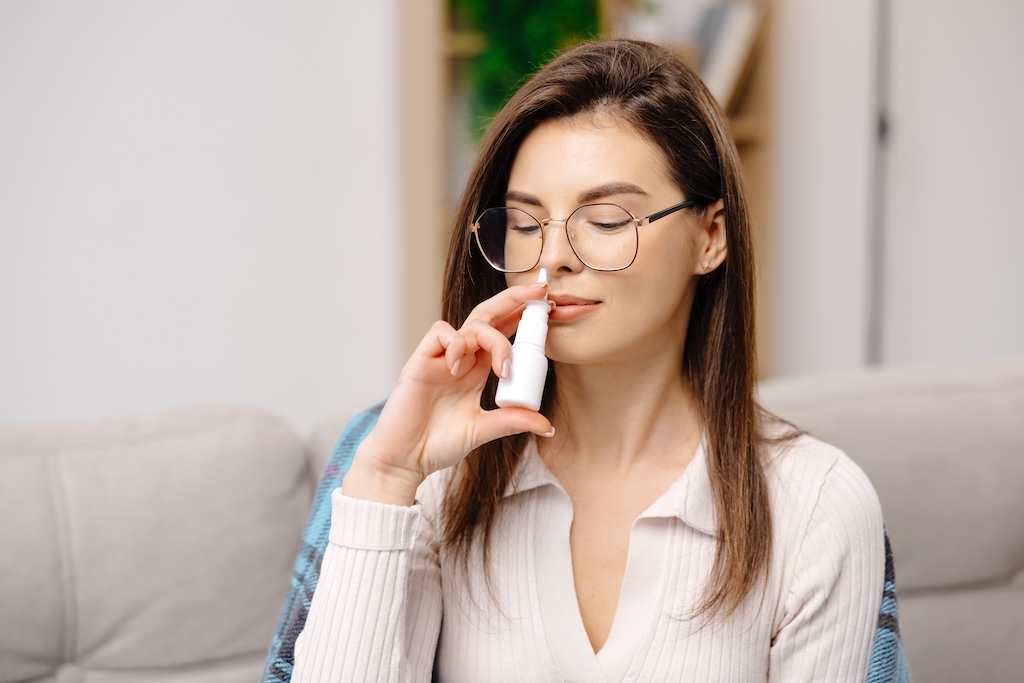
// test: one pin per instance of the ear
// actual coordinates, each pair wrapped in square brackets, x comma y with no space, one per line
[712,246]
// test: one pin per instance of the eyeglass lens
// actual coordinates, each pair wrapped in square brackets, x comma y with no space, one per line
[603,236]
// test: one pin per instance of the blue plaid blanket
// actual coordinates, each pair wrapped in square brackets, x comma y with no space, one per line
[888,661]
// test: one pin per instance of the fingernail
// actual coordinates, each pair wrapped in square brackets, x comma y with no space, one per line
[551,306]
[455,367]
[540,285]
[550,433]
[506,369]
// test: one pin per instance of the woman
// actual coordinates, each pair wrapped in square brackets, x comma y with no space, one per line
[650,522]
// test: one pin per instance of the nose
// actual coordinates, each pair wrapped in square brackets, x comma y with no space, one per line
[557,254]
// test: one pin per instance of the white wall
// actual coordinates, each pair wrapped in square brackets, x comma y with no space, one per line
[954,211]
[198,202]
[823,122]
[951,203]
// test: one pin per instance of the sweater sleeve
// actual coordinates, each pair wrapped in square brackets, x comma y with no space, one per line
[376,612]
[831,610]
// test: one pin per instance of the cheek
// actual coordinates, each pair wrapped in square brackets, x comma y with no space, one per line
[656,301]
[513,279]
[659,297]
[650,295]
[673,251]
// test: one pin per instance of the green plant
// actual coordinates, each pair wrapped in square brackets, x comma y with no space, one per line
[519,37]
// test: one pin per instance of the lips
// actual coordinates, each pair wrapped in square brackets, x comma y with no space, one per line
[571,307]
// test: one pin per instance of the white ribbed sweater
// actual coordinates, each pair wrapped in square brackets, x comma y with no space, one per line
[384,587]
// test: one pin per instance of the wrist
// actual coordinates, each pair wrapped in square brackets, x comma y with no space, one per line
[371,478]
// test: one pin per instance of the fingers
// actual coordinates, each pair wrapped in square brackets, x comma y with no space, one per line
[494,424]
[459,348]
[493,321]
[506,306]
[487,328]
[478,335]
[440,336]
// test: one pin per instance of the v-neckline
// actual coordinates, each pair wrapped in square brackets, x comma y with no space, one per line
[641,593]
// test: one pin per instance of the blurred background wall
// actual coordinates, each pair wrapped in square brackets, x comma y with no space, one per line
[953,208]
[906,249]
[198,202]
[225,200]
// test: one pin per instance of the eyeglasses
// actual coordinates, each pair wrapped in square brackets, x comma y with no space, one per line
[603,236]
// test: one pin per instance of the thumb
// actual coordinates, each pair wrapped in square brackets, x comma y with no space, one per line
[494,424]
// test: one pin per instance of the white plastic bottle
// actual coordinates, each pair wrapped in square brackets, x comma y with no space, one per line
[525,384]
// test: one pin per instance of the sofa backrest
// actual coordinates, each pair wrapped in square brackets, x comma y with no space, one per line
[944,448]
[153,549]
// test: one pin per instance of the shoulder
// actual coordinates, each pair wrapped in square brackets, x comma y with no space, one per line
[828,555]
[815,484]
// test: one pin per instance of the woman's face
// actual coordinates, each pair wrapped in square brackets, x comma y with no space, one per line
[603,317]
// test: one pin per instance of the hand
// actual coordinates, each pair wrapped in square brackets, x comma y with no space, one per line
[433,418]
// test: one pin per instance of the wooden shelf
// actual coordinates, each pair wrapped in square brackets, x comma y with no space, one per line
[748,129]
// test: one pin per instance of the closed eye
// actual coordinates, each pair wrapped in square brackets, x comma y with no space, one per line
[526,229]
[609,226]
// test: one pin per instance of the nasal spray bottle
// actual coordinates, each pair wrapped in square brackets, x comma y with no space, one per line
[525,384]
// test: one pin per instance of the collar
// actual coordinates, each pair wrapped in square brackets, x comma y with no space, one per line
[690,498]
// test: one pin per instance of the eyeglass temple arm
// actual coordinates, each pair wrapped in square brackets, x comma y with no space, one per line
[672,209]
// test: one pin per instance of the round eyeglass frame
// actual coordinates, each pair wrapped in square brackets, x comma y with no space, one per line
[637,222]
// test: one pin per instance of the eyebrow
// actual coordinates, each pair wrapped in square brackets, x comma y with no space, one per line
[599,192]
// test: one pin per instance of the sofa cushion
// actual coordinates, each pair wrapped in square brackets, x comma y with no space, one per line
[148,549]
[944,448]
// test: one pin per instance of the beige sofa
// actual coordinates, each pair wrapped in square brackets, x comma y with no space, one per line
[147,550]
[159,549]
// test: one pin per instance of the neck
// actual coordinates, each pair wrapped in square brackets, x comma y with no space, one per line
[618,415]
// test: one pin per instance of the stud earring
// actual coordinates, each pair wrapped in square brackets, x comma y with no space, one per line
[706,265]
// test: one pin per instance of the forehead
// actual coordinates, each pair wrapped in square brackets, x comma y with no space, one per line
[571,155]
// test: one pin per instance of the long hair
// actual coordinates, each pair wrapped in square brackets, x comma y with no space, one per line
[649,88]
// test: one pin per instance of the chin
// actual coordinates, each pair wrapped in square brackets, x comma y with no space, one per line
[560,353]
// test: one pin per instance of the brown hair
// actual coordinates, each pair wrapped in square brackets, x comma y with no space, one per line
[649,88]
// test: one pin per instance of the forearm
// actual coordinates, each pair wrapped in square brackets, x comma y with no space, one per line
[356,628]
